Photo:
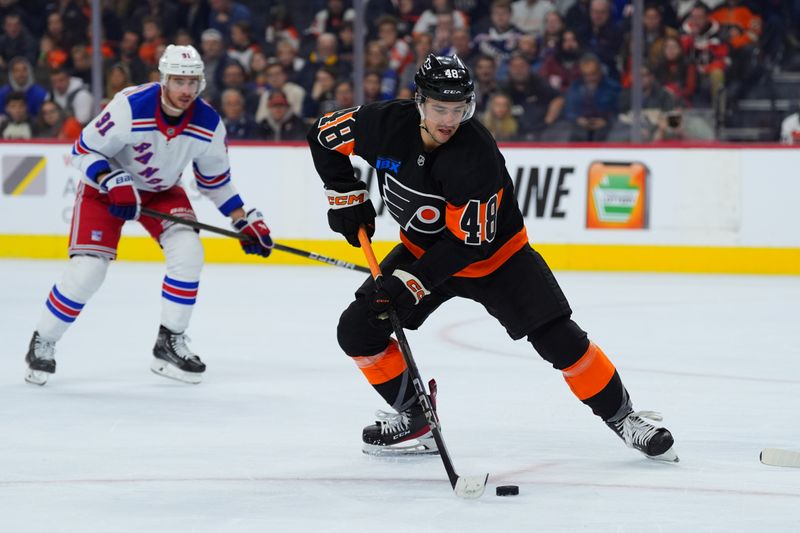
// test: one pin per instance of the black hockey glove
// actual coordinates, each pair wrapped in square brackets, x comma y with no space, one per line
[349,210]
[400,291]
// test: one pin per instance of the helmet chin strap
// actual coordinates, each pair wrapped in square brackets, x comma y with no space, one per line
[424,127]
[170,109]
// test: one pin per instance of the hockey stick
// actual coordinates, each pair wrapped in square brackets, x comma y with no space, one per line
[464,487]
[236,235]
[778,457]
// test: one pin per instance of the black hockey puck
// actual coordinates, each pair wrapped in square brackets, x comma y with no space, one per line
[507,490]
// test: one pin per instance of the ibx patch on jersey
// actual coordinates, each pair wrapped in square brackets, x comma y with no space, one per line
[387,164]
[413,209]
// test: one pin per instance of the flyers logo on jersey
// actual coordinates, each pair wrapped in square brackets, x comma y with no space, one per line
[413,209]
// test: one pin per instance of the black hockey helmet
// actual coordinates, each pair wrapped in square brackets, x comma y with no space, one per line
[447,79]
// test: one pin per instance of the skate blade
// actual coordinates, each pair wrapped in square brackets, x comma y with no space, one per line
[163,368]
[668,456]
[420,447]
[36,377]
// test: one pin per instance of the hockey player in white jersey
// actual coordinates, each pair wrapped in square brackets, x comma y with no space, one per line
[132,155]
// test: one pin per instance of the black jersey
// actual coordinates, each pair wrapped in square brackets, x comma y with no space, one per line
[455,204]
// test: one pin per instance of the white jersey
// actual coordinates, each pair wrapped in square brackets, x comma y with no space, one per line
[133,134]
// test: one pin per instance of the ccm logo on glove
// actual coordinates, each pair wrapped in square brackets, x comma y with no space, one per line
[341,200]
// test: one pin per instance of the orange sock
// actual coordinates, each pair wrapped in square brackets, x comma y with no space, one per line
[590,374]
[383,366]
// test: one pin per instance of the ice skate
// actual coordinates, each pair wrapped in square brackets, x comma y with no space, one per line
[654,442]
[398,434]
[173,359]
[40,359]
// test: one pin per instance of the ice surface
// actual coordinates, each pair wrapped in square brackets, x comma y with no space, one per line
[270,441]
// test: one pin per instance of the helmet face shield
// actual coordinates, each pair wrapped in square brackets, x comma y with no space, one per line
[469,107]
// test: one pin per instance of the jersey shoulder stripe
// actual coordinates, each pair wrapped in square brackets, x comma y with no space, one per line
[143,100]
[204,120]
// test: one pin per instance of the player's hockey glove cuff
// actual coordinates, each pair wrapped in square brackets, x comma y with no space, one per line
[401,291]
[253,226]
[349,210]
[123,198]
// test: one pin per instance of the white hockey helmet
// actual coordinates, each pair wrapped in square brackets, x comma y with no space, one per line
[180,60]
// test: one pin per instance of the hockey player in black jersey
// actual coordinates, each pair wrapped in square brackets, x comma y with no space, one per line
[443,179]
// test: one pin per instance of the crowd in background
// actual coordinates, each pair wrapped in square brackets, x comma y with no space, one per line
[545,70]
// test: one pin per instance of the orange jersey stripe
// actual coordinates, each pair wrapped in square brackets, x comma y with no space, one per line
[590,374]
[384,366]
[479,269]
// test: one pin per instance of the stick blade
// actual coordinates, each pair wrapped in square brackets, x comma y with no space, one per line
[778,457]
[471,488]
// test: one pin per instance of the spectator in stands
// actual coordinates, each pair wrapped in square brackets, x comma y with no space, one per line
[193,16]
[485,82]
[322,99]
[281,124]
[372,87]
[152,38]
[656,101]
[72,95]
[562,69]
[20,79]
[675,72]
[396,49]
[577,17]
[707,51]
[242,45]
[655,35]
[591,102]
[16,123]
[548,42]
[429,19]
[536,105]
[129,56]
[790,129]
[16,41]
[164,11]
[461,45]
[376,60]
[224,14]
[277,80]
[740,29]
[53,46]
[117,77]
[235,77]
[325,54]
[329,20]
[443,31]
[346,38]
[528,48]
[408,13]
[344,94]
[215,60]
[281,28]
[81,63]
[295,66]
[422,45]
[529,15]
[499,120]
[238,123]
[75,21]
[678,126]
[54,123]
[604,37]
[501,37]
